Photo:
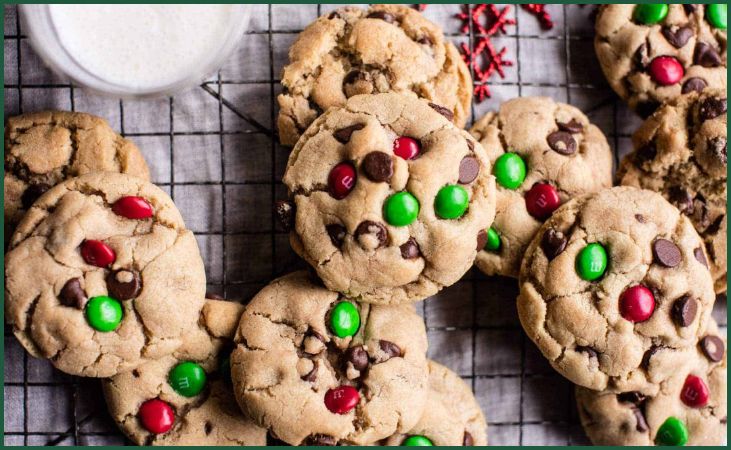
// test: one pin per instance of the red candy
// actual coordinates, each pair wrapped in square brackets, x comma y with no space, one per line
[542,200]
[132,208]
[341,180]
[341,399]
[97,253]
[637,304]
[156,416]
[406,147]
[694,392]
[666,70]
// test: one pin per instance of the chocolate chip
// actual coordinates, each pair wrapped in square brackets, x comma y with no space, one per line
[321,440]
[72,294]
[641,57]
[590,352]
[333,15]
[647,152]
[633,397]
[425,40]
[355,75]
[467,440]
[410,249]
[124,284]
[311,376]
[641,422]
[648,356]
[718,148]
[378,166]
[712,346]
[208,428]
[681,199]
[553,243]
[446,112]
[640,218]
[343,135]
[371,235]
[285,212]
[32,193]
[357,356]
[694,84]
[573,126]
[383,15]
[700,256]
[684,311]
[469,168]
[646,108]
[389,348]
[337,234]
[213,296]
[679,37]
[562,142]
[666,253]
[481,240]
[706,56]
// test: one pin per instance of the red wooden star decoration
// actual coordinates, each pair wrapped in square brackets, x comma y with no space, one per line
[539,10]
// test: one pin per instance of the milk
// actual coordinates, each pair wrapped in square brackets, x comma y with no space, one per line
[142,46]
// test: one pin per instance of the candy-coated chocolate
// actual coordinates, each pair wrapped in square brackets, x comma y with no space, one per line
[344,319]
[650,14]
[401,209]
[187,379]
[637,304]
[417,441]
[542,200]
[406,147]
[133,207]
[342,399]
[451,202]
[666,70]
[156,416]
[672,432]
[591,262]
[716,15]
[103,313]
[510,170]
[341,180]
[97,253]
[493,240]
[695,392]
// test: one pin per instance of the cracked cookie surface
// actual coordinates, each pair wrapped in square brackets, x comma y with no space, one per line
[98,292]
[680,152]
[388,199]
[43,149]
[564,155]
[210,417]
[367,51]
[650,57]
[452,416]
[297,374]
[695,394]
[612,281]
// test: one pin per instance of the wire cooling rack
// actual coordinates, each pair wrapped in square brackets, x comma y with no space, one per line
[212,148]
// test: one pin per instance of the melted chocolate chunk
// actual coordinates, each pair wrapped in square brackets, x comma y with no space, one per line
[72,294]
[410,249]
[573,126]
[666,253]
[124,284]
[371,235]
[684,311]
[337,234]
[446,112]
[678,37]
[378,166]
[343,135]
[553,243]
[285,212]
[357,356]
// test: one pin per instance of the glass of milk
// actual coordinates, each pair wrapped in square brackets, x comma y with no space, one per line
[135,50]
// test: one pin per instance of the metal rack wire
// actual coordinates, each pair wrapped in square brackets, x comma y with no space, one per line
[472,326]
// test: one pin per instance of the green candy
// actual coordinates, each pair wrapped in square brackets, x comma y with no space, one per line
[451,202]
[672,432]
[187,379]
[344,320]
[716,15]
[104,313]
[591,262]
[417,441]
[493,240]
[650,14]
[510,170]
[401,209]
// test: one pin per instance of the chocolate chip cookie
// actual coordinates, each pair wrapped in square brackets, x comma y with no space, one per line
[652,53]
[452,415]
[680,152]
[389,199]
[543,153]
[366,51]
[184,401]
[687,409]
[43,149]
[316,368]
[612,281]
[102,274]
